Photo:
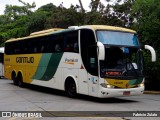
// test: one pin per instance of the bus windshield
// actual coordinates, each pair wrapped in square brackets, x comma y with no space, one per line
[117,38]
[123,56]
[122,63]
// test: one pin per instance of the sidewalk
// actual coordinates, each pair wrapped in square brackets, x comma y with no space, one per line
[152,92]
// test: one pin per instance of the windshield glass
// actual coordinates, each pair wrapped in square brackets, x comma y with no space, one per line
[117,38]
[122,62]
[123,56]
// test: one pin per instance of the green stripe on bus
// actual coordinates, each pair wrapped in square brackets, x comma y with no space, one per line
[42,66]
[136,81]
[51,65]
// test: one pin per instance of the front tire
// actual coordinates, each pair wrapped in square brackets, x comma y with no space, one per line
[70,89]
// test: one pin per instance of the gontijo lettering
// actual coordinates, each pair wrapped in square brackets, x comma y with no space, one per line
[25,59]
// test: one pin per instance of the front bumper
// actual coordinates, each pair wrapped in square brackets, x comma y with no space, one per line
[113,92]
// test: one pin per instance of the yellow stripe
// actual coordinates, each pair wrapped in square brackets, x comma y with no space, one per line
[119,83]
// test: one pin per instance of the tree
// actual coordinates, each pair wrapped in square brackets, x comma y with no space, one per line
[14,11]
[147,24]
[13,23]
[63,17]
[122,10]
[81,5]
[37,21]
[94,5]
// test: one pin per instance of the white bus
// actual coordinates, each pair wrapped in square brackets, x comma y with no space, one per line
[95,60]
[1,62]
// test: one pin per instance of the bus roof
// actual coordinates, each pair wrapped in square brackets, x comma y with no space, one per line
[37,34]
[106,27]
[45,31]
[60,30]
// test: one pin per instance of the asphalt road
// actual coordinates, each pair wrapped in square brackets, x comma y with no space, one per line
[33,98]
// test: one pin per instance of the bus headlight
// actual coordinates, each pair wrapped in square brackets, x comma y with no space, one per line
[106,85]
[141,85]
[109,86]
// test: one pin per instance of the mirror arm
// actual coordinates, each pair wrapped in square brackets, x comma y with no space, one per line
[153,53]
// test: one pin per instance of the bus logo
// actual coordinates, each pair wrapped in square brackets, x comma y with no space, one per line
[25,59]
[70,61]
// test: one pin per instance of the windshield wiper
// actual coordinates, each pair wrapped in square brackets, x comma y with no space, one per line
[130,63]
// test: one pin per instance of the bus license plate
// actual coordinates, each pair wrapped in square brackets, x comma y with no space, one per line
[126,93]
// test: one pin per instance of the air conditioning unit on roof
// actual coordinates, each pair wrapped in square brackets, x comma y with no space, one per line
[72,27]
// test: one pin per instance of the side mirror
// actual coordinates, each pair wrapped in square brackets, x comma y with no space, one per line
[101,51]
[153,53]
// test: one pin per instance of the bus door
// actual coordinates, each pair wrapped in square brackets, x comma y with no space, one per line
[88,76]
[93,79]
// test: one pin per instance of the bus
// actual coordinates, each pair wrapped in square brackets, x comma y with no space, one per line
[1,62]
[95,60]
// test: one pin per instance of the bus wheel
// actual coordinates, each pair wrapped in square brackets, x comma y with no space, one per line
[15,81]
[70,88]
[20,80]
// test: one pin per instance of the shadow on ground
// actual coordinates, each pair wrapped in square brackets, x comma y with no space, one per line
[79,97]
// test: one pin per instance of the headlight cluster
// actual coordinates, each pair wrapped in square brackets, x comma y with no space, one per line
[141,85]
[106,85]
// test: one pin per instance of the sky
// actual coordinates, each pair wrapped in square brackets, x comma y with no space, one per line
[39,3]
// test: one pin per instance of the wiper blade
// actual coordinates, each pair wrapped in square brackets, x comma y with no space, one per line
[132,67]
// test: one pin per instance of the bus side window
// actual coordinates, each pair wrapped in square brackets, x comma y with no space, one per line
[57,48]
[68,48]
[35,49]
[42,48]
[57,43]
[75,47]
[71,42]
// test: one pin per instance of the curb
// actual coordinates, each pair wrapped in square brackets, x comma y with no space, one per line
[152,92]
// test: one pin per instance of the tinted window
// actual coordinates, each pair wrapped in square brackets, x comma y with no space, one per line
[62,42]
[89,51]
[117,38]
[71,42]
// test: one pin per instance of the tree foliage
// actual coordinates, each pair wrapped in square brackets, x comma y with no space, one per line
[14,11]
[147,15]
[13,23]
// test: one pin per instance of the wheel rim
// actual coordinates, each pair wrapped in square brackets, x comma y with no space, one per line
[71,91]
